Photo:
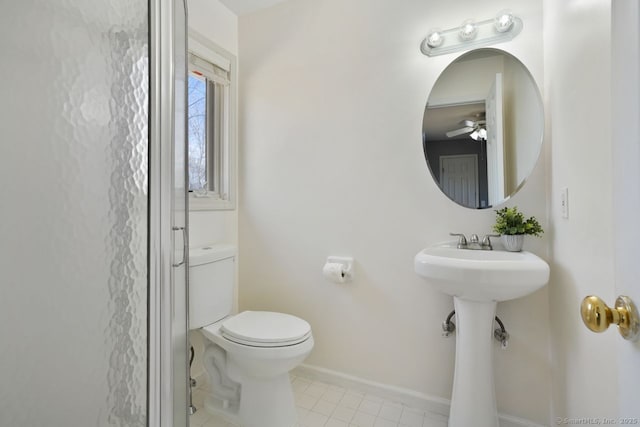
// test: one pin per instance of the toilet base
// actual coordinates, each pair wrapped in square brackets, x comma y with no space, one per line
[263,403]
[267,402]
[218,408]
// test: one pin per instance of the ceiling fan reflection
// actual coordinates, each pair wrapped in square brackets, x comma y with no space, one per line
[476,129]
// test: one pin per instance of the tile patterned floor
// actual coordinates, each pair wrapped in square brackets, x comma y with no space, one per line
[325,405]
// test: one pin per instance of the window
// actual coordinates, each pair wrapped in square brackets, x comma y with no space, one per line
[210,129]
[197,131]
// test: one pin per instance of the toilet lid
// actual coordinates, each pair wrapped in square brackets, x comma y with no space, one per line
[265,329]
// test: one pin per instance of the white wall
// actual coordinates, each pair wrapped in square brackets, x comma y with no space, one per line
[215,21]
[332,95]
[577,55]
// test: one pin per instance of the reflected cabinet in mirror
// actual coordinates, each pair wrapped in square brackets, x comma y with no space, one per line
[482,128]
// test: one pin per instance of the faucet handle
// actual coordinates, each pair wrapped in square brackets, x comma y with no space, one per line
[462,240]
[486,241]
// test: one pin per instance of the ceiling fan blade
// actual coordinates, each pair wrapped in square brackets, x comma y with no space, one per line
[458,132]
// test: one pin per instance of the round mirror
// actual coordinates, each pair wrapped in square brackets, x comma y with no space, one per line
[482,128]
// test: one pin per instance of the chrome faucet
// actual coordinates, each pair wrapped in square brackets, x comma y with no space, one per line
[474,241]
[486,241]
[462,241]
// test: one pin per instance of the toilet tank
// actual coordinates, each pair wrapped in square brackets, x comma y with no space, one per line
[212,274]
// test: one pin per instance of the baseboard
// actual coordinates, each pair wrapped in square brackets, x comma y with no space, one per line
[401,395]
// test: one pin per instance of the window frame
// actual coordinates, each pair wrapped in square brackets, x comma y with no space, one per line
[225,179]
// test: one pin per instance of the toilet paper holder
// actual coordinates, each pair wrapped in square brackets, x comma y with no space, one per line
[346,268]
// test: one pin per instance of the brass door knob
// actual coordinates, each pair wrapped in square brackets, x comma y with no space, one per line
[597,316]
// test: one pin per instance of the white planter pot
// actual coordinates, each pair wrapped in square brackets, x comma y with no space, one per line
[513,243]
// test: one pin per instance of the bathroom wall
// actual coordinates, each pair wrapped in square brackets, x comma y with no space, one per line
[578,75]
[332,95]
[214,21]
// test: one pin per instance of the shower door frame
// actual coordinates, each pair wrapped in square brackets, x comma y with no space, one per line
[163,377]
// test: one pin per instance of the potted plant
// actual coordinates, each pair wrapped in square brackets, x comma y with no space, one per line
[512,226]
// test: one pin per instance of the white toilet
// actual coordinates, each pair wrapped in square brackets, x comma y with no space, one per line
[248,356]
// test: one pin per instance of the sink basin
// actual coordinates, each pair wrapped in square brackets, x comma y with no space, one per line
[481,275]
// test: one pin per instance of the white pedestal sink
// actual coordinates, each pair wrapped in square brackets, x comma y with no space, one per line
[477,280]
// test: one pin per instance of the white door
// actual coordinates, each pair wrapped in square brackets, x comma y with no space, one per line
[495,142]
[626,188]
[459,178]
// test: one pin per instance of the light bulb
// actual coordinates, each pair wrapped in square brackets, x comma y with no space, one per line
[475,135]
[435,39]
[468,30]
[503,21]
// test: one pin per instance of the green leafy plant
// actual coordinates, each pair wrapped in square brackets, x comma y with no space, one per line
[509,221]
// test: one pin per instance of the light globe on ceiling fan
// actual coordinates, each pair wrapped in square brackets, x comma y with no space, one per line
[476,129]
[479,134]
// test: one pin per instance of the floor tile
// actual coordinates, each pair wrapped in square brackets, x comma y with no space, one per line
[370,407]
[300,384]
[216,422]
[316,389]
[199,418]
[351,400]
[343,413]
[302,412]
[373,398]
[319,404]
[362,419]
[305,401]
[411,418]
[428,422]
[333,395]
[314,419]
[336,423]
[381,422]
[391,411]
[325,408]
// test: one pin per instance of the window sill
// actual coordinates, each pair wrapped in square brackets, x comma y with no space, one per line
[209,203]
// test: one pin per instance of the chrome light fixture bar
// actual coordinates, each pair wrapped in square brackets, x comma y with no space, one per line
[504,27]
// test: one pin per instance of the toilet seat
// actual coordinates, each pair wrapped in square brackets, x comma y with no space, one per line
[265,329]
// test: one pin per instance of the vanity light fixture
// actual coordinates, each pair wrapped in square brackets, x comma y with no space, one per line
[471,34]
